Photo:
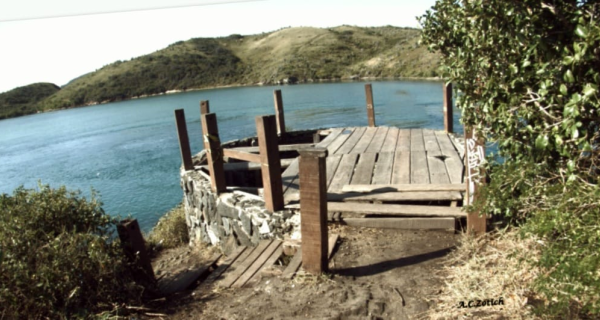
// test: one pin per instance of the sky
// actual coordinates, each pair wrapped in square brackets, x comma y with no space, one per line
[59,40]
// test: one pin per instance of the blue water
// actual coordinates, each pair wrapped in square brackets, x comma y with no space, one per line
[129,152]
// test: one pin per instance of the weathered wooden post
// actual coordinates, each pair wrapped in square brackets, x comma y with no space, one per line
[214,152]
[135,248]
[370,105]
[270,164]
[279,112]
[448,117]
[475,177]
[313,209]
[184,141]
[204,107]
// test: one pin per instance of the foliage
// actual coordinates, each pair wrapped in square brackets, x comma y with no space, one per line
[307,54]
[528,75]
[57,259]
[171,230]
[23,100]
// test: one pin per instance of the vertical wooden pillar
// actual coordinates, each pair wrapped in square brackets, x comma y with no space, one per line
[370,105]
[204,107]
[475,178]
[214,153]
[270,164]
[279,112]
[448,117]
[184,141]
[313,209]
[135,248]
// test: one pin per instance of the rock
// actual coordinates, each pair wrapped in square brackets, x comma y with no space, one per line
[264,228]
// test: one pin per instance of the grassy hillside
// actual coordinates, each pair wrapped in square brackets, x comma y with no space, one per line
[24,100]
[287,55]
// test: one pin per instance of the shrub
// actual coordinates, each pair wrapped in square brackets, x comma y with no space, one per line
[57,257]
[170,231]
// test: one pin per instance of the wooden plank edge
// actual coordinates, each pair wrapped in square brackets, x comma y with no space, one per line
[402,223]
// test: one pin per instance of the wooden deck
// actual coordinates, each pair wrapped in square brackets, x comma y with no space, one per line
[408,165]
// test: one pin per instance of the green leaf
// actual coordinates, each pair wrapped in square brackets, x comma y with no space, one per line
[589,90]
[581,31]
[563,89]
[568,76]
[574,132]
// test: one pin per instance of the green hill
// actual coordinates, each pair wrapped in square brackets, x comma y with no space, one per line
[284,56]
[25,100]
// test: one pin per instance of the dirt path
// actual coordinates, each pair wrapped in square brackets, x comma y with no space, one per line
[375,274]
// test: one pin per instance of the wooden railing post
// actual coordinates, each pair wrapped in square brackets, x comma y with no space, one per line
[279,112]
[204,107]
[214,153]
[269,162]
[313,209]
[135,248]
[370,105]
[475,177]
[448,117]
[184,141]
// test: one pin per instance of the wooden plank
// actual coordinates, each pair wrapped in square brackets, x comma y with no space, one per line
[364,169]
[438,173]
[389,144]
[241,155]
[331,137]
[419,172]
[401,169]
[351,141]
[453,162]
[395,209]
[332,162]
[247,166]
[183,280]
[403,187]
[313,202]
[184,140]
[257,264]
[474,153]
[244,264]
[293,266]
[332,242]
[430,140]
[404,139]
[281,148]
[289,175]
[416,140]
[370,105]
[447,108]
[271,166]
[270,261]
[402,223]
[459,149]
[362,145]
[397,196]
[279,112]
[383,169]
[339,140]
[344,172]
[378,139]
[238,255]
[214,155]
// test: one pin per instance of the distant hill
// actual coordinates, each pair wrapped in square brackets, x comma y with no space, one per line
[25,100]
[285,56]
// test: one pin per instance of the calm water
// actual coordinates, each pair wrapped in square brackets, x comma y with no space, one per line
[128,151]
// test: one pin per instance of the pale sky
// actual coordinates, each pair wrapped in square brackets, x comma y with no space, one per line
[58,40]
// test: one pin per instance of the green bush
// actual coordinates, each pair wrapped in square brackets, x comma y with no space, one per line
[57,257]
[170,231]
[528,74]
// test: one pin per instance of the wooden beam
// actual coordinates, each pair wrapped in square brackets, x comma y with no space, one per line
[279,112]
[247,166]
[403,187]
[282,147]
[402,223]
[270,163]
[293,266]
[241,155]
[184,141]
[448,117]
[395,209]
[204,107]
[474,154]
[370,105]
[214,155]
[397,196]
[313,216]
[135,248]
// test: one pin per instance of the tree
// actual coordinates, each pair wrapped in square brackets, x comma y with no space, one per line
[528,71]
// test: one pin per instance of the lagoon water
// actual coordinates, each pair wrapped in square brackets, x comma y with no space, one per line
[129,152]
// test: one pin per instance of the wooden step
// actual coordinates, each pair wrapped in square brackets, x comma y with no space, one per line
[397,196]
[296,261]
[402,223]
[395,209]
[368,188]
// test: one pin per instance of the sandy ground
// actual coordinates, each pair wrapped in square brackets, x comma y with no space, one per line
[374,274]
